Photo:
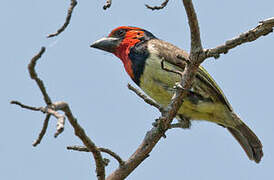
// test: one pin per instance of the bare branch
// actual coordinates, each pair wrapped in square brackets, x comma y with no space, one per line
[265,27]
[179,125]
[196,44]
[60,120]
[26,106]
[151,138]
[79,131]
[73,3]
[43,131]
[52,108]
[45,124]
[144,97]
[163,5]
[34,76]
[107,5]
[105,150]
[113,154]
[78,148]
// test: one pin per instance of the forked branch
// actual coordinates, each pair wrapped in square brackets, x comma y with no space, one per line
[52,109]
[105,150]
[264,28]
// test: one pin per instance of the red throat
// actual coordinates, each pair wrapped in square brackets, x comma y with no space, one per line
[123,51]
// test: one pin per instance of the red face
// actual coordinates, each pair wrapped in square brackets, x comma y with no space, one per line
[119,42]
[129,37]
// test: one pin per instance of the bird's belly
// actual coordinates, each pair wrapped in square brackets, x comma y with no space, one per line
[158,84]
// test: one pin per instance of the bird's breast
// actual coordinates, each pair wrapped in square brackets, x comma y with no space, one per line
[156,82]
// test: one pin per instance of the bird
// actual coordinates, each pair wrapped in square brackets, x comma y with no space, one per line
[143,54]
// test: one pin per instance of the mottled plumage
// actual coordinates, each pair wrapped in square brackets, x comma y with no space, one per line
[141,53]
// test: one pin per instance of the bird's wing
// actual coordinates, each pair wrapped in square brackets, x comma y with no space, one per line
[207,87]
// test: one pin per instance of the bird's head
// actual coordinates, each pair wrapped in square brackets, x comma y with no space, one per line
[122,38]
[121,41]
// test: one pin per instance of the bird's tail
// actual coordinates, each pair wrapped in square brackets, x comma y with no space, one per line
[247,139]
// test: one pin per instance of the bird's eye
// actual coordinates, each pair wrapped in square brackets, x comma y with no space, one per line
[120,33]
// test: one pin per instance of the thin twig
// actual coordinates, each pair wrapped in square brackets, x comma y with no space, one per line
[34,76]
[52,108]
[105,150]
[163,5]
[73,3]
[79,131]
[179,125]
[265,27]
[144,97]
[113,154]
[196,45]
[49,110]
[26,106]
[43,131]
[45,124]
[107,5]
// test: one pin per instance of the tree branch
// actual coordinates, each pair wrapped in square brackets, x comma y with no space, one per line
[42,132]
[107,5]
[105,150]
[34,76]
[79,131]
[265,27]
[73,3]
[196,45]
[163,5]
[51,109]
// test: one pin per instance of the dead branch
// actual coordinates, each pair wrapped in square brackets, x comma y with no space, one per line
[26,106]
[107,5]
[42,132]
[52,109]
[45,124]
[79,131]
[163,5]
[105,150]
[265,27]
[73,3]
[196,45]
[33,75]
[49,111]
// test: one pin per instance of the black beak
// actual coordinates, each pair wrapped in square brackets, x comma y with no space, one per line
[108,44]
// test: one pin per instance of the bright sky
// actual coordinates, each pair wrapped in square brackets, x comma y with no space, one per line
[94,84]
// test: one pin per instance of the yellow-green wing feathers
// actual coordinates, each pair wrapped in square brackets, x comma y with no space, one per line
[208,81]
